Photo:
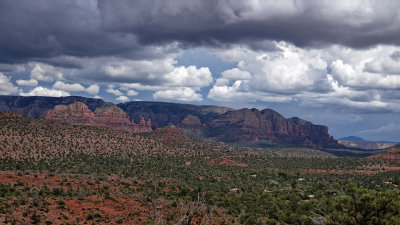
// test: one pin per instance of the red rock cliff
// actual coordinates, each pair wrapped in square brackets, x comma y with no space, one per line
[108,115]
[252,125]
[391,155]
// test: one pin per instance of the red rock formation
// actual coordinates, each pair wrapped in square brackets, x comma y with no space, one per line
[252,125]
[10,114]
[391,155]
[76,113]
[148,124]
[191,120]
[108,115]
[143,126]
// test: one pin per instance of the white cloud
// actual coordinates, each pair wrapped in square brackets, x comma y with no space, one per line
[355,79]
[44,72]
[350,75]
[129,75]
[131,93]
[59,85]
[387,65]
[181,94]
[6,87]
[236,74]
[189,77]
[114,91]
[122,98]
[42,91]
[221,91]
[152,74]
[141,71]
[93,89]
[31,82]
[289,70]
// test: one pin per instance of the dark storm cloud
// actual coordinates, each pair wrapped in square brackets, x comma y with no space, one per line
[304,23]
[43,29]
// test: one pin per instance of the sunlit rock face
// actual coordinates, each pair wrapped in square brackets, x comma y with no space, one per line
[108,115]
[246,125]
[391,155]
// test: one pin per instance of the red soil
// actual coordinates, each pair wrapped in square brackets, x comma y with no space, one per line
[118,206]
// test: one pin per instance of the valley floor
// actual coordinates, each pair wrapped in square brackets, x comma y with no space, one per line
[54,173]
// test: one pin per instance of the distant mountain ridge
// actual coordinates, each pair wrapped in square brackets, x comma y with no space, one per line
[37,106]
[243,126]
[359,139]
[360,143]
[351,138]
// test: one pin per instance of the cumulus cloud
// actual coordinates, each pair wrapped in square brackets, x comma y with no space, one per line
[42,91]
[142,71]
[290,70]
[131,93]
[93,89]
[122,98]
[59,85]
[155,72]
[189,77]
[383,66]
[31,82]
[221,91]
[180,94]
[44,72]
[334,76]
[114,91]
[236,74]
[6,87]
[351,76]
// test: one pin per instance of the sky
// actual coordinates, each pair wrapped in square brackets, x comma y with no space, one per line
[335,63]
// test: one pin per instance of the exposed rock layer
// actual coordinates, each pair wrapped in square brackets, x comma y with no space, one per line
[391,155]
[252,125]
[108,115]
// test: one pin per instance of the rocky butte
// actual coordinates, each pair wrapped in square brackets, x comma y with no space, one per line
[252,125]
[108,115]
[391,155]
